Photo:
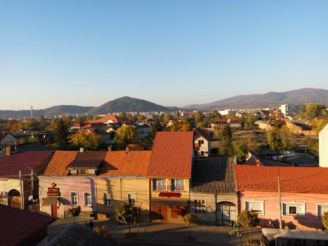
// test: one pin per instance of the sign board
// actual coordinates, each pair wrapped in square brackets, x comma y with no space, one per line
[169,194]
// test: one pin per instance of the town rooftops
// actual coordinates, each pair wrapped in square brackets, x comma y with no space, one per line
[21,227]
[24,162]
[213,175]
[113,163]
[172,155]
[126,163]
[88,159]
[109,118]
[58,163]
[292,179]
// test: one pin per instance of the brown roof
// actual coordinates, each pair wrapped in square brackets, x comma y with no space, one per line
[292,179]
[88,159]
[126,163]
[24,162]
[204,133]
[21,227]
[172,155]
[59,162]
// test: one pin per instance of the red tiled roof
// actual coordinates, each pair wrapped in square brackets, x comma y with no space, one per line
[58,163]
[172,155]
[20,227]
[292,179]
[126,163]
[105,119]
[24,162]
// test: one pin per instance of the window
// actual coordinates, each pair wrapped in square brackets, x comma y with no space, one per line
[132,199]
[257,206]
[107,199]
[87,199]
[81,171]
[200,142]
[322,208]
[159,184]
[199,206]
[74,198]
[177,184]
[292,208]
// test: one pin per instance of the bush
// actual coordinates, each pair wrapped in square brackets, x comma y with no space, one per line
[190,219]
[324,220]
[124,214]
[73,212]
[248,219]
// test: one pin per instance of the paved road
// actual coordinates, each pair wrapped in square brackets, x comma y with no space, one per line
[162,234]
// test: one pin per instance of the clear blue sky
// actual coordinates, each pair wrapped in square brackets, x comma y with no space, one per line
[172,52]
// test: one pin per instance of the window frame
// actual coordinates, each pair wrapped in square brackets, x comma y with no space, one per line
[107,200]
[84,196]
[163,186]
[317,208]
[256,201]
[291,204]
[77,198]
[132,199]
[175,185]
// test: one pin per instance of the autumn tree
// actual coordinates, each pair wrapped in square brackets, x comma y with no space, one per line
[58,128]
[240,150]
[89,140]
[314,110]
[125,135]
[274,140]
[226,147]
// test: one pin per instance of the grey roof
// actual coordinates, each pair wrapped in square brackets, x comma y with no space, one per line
[78,235]
[213,175]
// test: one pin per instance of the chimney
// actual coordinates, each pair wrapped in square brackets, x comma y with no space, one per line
[127,148]
[109,148]
[81,150]
[7,151]
[258,163]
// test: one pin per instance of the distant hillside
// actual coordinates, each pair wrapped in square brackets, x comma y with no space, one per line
[301,96]
[48,112]
[123,104]
[129,104]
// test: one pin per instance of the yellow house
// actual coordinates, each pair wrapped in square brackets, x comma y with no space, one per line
[124,180]
[170,174]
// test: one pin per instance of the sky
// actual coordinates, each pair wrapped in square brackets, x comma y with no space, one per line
[171,52]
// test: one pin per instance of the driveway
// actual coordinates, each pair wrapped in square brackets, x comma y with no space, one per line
[160,233]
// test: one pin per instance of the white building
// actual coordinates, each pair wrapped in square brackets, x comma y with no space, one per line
[287,109]
[323,147]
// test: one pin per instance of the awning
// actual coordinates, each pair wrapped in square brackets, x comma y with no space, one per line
[181,202]
[49,200]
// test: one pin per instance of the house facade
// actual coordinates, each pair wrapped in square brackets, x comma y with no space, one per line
[124,180]
[19,177]
[170,174]
[69,181]
[213,197]
[299,195]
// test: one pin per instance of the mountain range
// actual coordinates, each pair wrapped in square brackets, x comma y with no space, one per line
[129,104]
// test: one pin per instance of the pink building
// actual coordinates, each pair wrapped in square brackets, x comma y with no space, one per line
[302,200]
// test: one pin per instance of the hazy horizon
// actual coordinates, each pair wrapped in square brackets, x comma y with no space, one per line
[172,53]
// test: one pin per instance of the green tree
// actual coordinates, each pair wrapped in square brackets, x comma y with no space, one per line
[226,147]
[90,141]
[248,219]
[240,150]
[125,135]
[314,110]
[124,214]
[59,130]
[274,140]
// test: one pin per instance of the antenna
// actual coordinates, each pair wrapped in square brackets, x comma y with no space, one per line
[31,112]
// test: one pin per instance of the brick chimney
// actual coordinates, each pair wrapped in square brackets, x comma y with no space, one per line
[7,150]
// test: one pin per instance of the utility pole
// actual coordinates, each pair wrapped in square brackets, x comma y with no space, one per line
[21,189]
[32,183]
[279,200]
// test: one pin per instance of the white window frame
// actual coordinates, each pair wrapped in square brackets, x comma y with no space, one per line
[77,199]
[317,208]
[199,206]
[257,201]
[178,190]
[163,185]
[290,204]
[107,197]
[85,200]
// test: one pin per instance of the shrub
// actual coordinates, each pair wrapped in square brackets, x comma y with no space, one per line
[190,219]
[248,219]
[73,212]
[124,214]
[324,220]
